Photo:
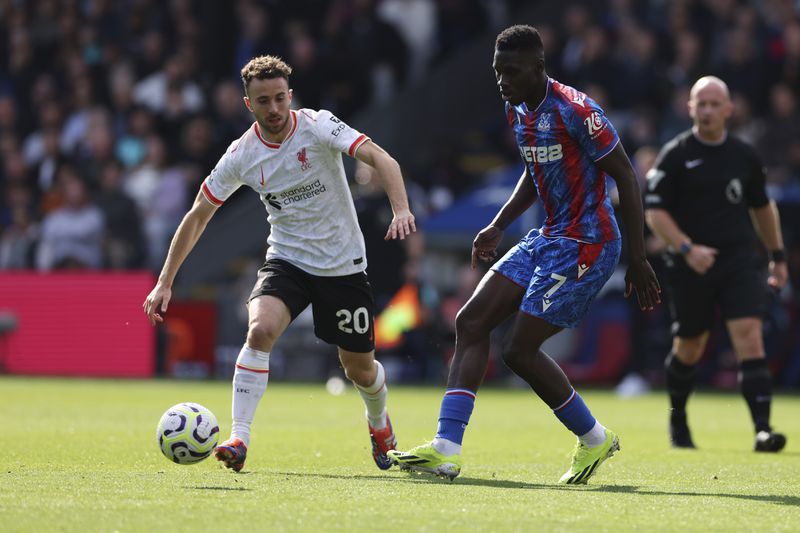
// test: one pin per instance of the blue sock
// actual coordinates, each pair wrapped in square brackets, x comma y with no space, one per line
[574,414]
[454,415]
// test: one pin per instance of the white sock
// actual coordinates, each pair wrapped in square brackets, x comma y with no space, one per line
[446,447]
[595,437]
[249,383]
[374,398]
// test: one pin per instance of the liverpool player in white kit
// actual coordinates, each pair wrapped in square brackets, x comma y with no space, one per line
[292,159]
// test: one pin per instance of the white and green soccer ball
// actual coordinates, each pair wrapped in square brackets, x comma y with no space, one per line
[187,433]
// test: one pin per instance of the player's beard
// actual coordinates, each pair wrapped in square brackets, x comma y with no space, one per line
[274,130]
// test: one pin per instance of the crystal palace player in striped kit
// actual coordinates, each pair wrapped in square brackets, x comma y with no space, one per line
[549,279]
[293,160]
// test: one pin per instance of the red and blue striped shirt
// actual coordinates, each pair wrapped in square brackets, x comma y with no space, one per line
[560,141]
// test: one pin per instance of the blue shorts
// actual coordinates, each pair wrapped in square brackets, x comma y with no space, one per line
[561,276]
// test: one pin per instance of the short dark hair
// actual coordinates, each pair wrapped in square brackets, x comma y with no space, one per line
[265,68]
[519,37]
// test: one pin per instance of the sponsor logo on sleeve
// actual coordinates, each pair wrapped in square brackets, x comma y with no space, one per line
[594,124]
[338,129]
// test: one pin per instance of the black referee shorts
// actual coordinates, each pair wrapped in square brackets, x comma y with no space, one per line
[737,283]
[343,306]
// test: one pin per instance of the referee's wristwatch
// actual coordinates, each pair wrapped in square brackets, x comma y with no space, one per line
[686,247]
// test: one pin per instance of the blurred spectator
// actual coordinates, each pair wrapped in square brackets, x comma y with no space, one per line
[742,123]
[416,21]
[231,117]
[18,239]
[130,147]
[197,150]
[159,190]
[50,117]
[687,64]
[124,245]
[780,144]
[675,118]
[8,114]
[72,235]
[307,76]
[458,21]
[741,67]
[789,65]
[168,91]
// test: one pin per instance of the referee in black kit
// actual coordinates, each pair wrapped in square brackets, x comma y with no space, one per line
[700,197]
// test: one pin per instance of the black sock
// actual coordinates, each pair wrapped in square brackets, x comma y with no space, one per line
[680,383]
[756,384]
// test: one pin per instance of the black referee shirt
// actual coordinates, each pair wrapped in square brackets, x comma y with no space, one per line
[708,189]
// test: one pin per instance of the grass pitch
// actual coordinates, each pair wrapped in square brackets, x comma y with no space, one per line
[81,455]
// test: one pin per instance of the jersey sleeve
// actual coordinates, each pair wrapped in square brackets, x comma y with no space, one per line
[224,179]
[589,126]
[661,181]
[756,190]
[335,134]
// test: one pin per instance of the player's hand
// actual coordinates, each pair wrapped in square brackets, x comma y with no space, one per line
[700,258]
[641,278]
[402,224]
[484,247]
[778,274]
[157,301]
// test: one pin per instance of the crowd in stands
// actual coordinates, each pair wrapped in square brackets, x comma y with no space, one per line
[112,113]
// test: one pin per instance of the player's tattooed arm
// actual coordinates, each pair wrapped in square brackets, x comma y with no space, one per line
[484,247]
[391,178]
[640,276]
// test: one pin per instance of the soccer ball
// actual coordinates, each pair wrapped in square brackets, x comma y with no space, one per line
[187,433]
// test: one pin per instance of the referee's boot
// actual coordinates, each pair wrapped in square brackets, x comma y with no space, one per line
[679,434]
[769,441]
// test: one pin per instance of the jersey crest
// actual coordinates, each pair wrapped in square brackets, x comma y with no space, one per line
[302,156]
[544,123]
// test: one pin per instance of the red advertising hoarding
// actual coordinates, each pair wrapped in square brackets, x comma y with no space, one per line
[77,324]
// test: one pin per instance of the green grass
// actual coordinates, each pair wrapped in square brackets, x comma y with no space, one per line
[81,455]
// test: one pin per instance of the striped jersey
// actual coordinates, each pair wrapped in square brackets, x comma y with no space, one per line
[559,142]
[302,184]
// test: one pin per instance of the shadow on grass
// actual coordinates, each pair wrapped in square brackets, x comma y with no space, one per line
[239,489]
[780,499]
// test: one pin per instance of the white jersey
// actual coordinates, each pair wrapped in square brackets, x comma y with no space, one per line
[302,184]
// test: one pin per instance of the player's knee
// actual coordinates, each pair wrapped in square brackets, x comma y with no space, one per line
[513,356]
[748,342]
[689,352]
[469,322]
[360,375]
[262,336]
